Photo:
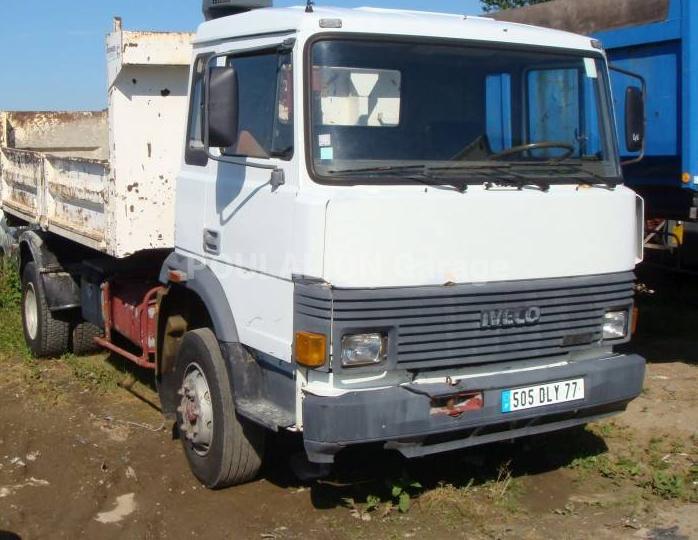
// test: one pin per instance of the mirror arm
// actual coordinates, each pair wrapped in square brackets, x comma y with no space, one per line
[643,84]
[278,176]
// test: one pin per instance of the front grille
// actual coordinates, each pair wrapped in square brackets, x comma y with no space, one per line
[436,327]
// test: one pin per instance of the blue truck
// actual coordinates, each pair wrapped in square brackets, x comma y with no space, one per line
[657,40]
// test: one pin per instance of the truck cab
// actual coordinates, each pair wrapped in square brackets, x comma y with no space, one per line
[408,228]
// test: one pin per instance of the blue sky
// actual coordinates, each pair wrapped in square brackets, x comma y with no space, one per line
[52,52]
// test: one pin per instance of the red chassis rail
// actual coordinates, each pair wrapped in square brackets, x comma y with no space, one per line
[131,309]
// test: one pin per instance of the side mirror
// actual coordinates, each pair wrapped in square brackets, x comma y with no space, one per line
[222,108]
[635,116]
[634,119]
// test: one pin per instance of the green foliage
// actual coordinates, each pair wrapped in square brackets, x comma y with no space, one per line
[10,286]
[668,485]
[490,6]
[11,337]
[372,502]
[402,490]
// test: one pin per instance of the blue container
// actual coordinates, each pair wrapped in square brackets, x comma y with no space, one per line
[665,53]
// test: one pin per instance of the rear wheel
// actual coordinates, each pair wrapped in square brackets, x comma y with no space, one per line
[222,449]
[83,338]
[45,334]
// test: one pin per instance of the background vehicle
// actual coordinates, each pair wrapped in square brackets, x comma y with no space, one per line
[390,227]
[656,39]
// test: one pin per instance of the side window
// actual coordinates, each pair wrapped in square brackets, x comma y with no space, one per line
[266,105]
[195,153]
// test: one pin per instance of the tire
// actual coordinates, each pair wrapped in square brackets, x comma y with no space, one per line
[83,335]
[222,449]
[46,336]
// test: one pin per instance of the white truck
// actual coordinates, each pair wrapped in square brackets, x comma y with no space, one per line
[360,225]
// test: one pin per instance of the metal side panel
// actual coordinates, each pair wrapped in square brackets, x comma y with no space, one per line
[75,198]
[22,181]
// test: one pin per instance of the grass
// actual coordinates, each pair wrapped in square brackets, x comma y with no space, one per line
[663,467]
[45,376]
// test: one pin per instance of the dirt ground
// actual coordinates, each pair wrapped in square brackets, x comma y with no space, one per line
[84,452]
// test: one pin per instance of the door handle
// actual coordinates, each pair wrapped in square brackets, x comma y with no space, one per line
[212,242]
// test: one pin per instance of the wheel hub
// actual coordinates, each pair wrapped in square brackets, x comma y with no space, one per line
[196,410]
[31,311]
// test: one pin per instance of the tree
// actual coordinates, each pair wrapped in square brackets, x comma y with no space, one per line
[497,5]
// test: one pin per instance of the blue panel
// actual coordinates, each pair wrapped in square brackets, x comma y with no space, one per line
[659,65]
[666,54]
[553,105]
[498,103]
[690,91]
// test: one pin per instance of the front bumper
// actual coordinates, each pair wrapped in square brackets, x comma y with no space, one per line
[402,419]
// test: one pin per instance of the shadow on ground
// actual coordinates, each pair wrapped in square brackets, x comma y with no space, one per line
[371,471]
[668,318]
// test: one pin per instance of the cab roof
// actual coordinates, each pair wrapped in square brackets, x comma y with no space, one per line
[367,20]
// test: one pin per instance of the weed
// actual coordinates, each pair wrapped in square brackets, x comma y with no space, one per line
[93,371]
[402,490]
[10,285]
[668,485]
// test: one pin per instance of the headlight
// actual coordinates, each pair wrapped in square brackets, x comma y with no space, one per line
[615,325]
[363,350]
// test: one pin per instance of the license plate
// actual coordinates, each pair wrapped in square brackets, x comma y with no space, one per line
[542,395]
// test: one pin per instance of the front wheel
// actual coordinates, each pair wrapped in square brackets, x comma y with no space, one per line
[222,449]
[45,334]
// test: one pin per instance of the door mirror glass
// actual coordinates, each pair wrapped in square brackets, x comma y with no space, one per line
[222,107]
[634,119]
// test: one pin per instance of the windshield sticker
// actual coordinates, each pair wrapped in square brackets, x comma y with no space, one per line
[590,65]
[325,139]
[327,153]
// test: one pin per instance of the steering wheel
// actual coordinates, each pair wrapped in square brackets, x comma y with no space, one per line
[536,146]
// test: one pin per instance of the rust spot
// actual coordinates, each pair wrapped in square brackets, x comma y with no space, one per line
[131,208]
[150,150]
[165,92]
[134,81]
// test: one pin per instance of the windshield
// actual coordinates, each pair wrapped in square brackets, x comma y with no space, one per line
[399,110]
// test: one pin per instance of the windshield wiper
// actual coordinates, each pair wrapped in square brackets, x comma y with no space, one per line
[497,175]
[417,173]
[592,179]
[376,170]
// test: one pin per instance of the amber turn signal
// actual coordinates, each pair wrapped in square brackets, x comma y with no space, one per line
[686,178]
[311,349]
[636,320]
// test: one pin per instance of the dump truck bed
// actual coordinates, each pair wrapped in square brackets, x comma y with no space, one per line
[106,179]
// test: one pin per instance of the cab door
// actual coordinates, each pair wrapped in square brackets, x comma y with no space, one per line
[248,218]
